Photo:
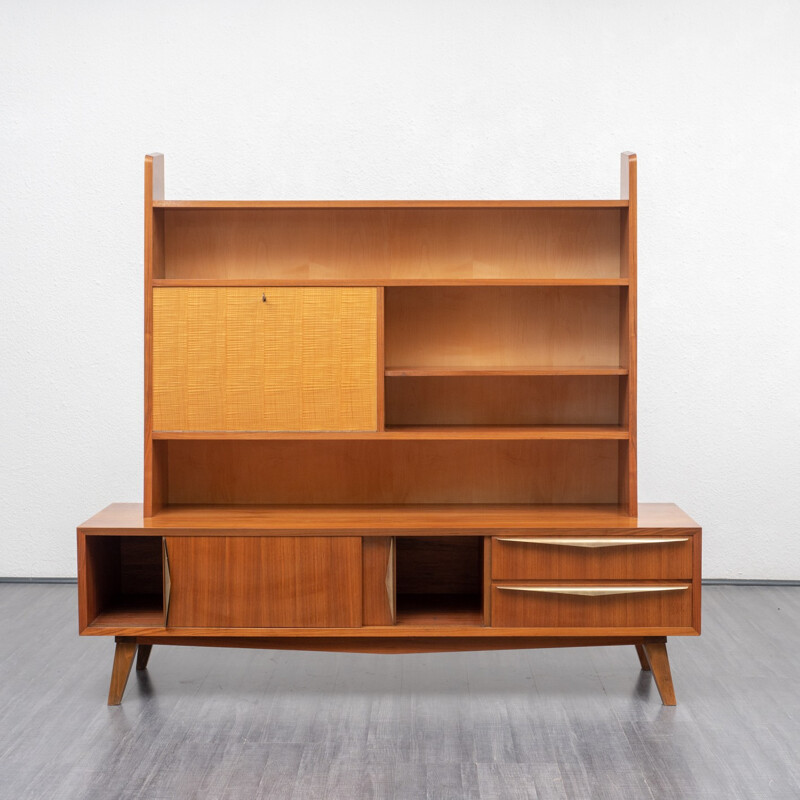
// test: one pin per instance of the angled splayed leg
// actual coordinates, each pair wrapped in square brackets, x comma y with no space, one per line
[642,657]
[123,661]
[143,656]
[659,664]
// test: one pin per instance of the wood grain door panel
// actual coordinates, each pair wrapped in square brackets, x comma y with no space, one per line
[264,582]
[592,606]
[585,557]
[264,359]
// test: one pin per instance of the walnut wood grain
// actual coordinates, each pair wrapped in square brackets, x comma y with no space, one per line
[154,472]
[568,519]
[513,558]
[628,493]
[408,644]
[143,656]
[123,661]
[643,662]
[462,329]
[567,400]
[253,582]
[392,472]
[659,664]
[513,606]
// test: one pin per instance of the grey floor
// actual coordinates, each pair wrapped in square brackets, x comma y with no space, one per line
[573,724]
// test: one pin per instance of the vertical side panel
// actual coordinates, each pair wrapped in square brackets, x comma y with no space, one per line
[487,580]
[381,361]
[379,580]
[154,489]
[628,494]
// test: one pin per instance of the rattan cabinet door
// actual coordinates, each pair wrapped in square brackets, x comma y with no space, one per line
[264,359]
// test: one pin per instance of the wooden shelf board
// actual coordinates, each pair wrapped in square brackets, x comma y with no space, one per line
[398,631]
[413,371]
[390,204]
[137,610]
[414,432]
[439,610]
[128,519]
[378,281]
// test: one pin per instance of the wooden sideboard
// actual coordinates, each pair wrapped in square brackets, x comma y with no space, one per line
[390,427]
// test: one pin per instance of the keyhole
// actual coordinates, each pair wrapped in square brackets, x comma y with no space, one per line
[263,297]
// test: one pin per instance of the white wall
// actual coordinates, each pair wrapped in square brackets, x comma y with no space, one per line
[407,99]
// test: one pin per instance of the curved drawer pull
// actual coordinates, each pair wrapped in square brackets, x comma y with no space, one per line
[593,591]
[599,541]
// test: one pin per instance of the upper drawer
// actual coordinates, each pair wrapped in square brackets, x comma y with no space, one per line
[265,359]
[586,557]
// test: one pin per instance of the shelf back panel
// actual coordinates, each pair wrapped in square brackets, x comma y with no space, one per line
[508,326]
[391,243]
[387,472]
[504,400]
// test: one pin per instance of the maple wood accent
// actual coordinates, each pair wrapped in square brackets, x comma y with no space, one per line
[560,557]
[123,661]
[273,359]
[596,605]
[379,580]
[143,656]
[384,242]
[265,582]
[659,664]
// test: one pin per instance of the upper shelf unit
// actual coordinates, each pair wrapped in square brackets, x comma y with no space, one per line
[575,242]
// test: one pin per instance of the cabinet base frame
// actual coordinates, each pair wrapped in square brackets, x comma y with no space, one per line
[652,650]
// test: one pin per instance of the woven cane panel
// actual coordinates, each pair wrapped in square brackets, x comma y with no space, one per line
[225,360]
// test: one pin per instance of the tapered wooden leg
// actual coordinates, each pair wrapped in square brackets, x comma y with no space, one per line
[659,664]
[639,652]
[123,661]
[143,656]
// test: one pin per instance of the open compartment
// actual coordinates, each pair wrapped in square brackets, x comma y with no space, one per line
[508,329]
[124,580]
[510,400]
[439,580]
[389,243]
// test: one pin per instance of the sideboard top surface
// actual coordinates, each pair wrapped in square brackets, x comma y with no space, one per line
[451,519]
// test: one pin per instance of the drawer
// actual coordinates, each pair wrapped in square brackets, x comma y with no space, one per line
[265,359]
[592,557]
[592,606]
[263,581]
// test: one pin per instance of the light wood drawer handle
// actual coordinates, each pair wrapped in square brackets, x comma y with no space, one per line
[593,591]
[600,541]
[167,584]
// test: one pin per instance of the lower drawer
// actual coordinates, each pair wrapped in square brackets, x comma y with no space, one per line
[591,606]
